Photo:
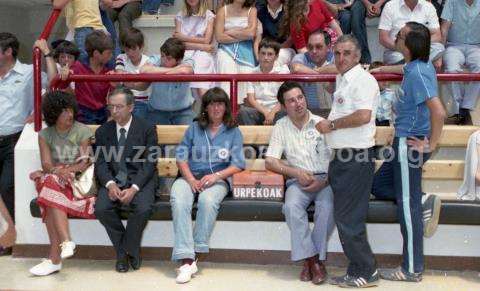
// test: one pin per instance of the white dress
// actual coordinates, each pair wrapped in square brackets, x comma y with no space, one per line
[196,26]
[227,65]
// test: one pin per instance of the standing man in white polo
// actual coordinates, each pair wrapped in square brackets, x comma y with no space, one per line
[350,132]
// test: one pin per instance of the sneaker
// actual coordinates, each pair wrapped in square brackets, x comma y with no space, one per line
[399,274]
[68,249]
[431,214]
[360,282]
[45,268]
[338,280]
[185,272]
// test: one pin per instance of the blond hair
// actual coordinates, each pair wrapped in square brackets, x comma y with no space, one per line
[202,9]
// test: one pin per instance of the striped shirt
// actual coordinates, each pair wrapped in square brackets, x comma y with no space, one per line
[303,148]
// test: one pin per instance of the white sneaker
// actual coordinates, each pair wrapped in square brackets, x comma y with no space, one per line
[68,249]
[185,272]
[45,268]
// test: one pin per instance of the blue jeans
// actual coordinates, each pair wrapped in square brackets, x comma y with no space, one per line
[151,6]
[401,180]
[81,34]
[189,241]
[89,116]
[179,117]
[140,109]
[110,26]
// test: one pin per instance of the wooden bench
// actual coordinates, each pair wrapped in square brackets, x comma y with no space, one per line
[453,211]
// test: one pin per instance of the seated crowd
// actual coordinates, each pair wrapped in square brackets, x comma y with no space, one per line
[311,124]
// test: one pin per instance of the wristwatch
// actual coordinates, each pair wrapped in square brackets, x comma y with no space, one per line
[332,125]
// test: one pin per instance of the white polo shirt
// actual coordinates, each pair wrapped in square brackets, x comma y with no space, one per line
[124,63]
[303,148]
[356,89]
[266,92]
[396,13]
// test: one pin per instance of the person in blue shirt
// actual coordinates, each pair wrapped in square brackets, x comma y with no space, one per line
[418,126]
[211,152]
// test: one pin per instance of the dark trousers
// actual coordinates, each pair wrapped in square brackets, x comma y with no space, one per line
[126,240]
[400,179]
[251,116]
[352,21]
[125,15]
[91,116]
[7,190]
[351,182]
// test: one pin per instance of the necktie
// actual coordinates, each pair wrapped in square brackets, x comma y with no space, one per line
[121,176]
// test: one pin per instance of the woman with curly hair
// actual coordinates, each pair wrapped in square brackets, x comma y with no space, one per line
[63,152]
[302,17]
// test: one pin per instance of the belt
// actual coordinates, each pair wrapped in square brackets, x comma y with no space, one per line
[9,136]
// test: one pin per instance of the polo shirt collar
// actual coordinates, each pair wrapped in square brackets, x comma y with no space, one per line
[19,68]
[275,14]
[350,75]
[310,120]
[419,3]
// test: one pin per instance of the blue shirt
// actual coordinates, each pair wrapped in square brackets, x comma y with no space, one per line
[465,21]
[311,88]
[206,154]
[419,85]
[16,98]
[170,96]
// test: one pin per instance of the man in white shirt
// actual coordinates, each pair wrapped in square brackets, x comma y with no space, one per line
[395,15]
[306,166]
[350,131]
[264,107]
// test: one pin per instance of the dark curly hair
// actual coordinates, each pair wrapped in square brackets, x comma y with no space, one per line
[216,94]
[54,103]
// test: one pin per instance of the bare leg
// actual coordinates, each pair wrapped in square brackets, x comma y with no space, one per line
[53,236]
[8,239]
[61,223]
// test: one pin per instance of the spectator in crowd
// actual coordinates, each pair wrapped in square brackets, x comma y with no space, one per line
[169,103]
[385,103]
[394,16]
[83,16]
[306,16]
[315,61]
[215,133]
[418,126]
[129,181]
[470,188]
[123,11]
[263,106]
[351,16]
[131,61]
[64,54]
[350,132]
[271,14]
[91,96]
[235,30]
[461,34]
[8,235]
[194,27]
[64,148]
[16,91]
[306,166]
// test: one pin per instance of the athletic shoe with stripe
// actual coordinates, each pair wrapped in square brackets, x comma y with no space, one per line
[360,282]
[399,274]
[431,214]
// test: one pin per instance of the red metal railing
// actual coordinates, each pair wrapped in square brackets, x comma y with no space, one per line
[232,79]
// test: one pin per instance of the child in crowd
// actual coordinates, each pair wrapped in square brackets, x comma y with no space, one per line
[385,114]
[169,102]
[235,30]
[194,27]
[64,54]
[131,61]
[92,96]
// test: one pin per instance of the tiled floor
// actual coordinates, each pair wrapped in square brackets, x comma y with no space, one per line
[155,275]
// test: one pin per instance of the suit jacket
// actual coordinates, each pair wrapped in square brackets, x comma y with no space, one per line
[141,148]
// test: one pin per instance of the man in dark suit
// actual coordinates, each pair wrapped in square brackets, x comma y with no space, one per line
[126,179]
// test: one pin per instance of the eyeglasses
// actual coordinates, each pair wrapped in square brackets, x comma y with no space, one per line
[117,107]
